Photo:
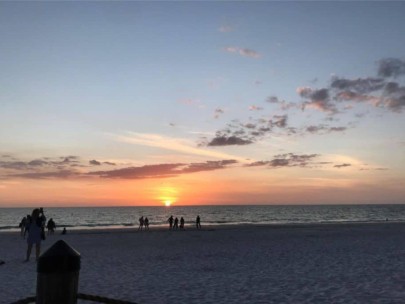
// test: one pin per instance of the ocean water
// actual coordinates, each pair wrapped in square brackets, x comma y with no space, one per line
[118,217]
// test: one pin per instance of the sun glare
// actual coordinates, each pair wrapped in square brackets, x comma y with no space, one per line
[167,195]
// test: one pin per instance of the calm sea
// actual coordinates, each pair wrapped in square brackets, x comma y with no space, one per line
[118,217]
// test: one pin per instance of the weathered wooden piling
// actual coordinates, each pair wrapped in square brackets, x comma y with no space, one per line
[58,275]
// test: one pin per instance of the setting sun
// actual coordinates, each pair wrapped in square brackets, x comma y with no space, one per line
[168,203]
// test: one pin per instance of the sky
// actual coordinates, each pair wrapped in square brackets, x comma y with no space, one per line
[200,103]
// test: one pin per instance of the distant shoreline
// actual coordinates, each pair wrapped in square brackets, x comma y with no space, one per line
[214,227]
[202,205]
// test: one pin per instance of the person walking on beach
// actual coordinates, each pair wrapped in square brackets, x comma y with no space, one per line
[181,223]
[34,234]
[176,223]
[170,220]
[141,222]
[198,222]
[22,225]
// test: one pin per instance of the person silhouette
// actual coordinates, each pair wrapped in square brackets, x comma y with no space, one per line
[27,225]
[141,222]
[51,226]
[198,222]
[22,225]
[181,223]
[64,230]
[146,221]
[176,223]
[34,234]
[170,220]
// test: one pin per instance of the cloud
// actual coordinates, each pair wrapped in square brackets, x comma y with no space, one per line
[229,141]
[287,160]
[334,99]
[208,166]
[46,167]
[255,108]
[62,174]
[391,67]
[317,99]
[239,134]
[342,165]
[373,169]
[272,99]
[337,129]
[359,85]
[242,51]
[284,106]
[394,96]
[279,121]
[172,144]
[391,98]
[376,91]
[15,165]
[163,170]
[352,96]
[218,112]
[37,164]
[249,53]
[324,129]
[109,163]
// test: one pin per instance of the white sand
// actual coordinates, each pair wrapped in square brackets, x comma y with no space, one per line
[245,264]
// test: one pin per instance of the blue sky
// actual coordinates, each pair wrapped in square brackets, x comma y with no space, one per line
[154,83]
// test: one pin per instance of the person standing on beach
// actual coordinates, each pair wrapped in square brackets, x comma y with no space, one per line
[22,226]
[34,234]
[51,226]
[43,222]
[146,223]
[27,224]
[176,223]
[181,223]
[198,222]
[141,222]
[170,220]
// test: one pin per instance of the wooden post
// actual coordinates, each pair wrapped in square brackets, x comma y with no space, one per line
[58,275]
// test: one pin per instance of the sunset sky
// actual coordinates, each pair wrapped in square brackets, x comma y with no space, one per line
[142,103]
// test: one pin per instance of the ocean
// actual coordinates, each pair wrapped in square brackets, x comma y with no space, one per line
[119,217]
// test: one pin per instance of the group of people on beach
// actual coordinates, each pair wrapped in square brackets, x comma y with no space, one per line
[26,222]
[174,223]
[143,223]
[34,225]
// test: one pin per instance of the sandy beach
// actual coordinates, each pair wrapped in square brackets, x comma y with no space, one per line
[345,263]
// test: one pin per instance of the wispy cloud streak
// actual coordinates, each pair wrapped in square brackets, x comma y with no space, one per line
[172,144]
[242,51]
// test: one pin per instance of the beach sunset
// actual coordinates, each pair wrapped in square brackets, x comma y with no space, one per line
[136,103]
[277,126]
